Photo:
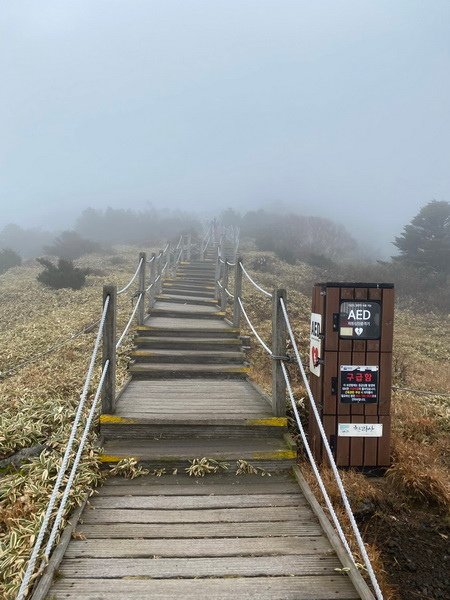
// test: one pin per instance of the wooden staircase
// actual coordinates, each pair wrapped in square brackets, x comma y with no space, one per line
[226,535]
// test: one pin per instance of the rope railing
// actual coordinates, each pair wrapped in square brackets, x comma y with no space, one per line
[124,289]
[130,321]
[330,456]
[255,333]
[258,287]
[65,461]
[76,462]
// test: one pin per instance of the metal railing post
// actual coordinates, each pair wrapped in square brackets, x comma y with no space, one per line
[237,293]
[279,337]
[109,349]
[141,290]
[224,296]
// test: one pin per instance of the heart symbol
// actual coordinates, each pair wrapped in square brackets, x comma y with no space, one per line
[358,330]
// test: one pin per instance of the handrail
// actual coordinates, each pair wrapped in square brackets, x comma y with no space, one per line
[263,344]
[76,461]
[258,287]
[130,320]
[124,289]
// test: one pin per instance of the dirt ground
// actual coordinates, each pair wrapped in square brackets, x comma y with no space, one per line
[414,543]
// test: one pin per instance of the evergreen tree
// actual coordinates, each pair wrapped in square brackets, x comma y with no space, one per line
[425,242]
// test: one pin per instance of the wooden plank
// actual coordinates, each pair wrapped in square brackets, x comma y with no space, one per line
[306,587]
[360,585]
[165,490]
[242,566]
[45,581]
[293,527]
[225,515]
[219,480]
[189,548]
[196,502]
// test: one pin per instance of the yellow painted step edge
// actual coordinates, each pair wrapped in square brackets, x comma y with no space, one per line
[271,422]
[277,455]
[116,419]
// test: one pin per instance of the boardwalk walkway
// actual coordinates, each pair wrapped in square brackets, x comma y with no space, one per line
[222,536]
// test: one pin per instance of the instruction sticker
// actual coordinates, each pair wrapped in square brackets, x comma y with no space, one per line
[358,384]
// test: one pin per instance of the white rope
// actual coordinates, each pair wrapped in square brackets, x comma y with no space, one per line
[132,279]
[334,468]
[151,260]
[231,264]
[258,287]
[38,542]
[73,471]
[128,325]
[263,344]
[221,260]
[314,465]
[230,295]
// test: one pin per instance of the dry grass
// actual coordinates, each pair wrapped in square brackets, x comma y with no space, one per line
[38,403]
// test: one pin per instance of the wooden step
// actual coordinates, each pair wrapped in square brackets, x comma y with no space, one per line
[290,587]
[187,370]
[188,356]
[202,293]
[183,312]
[183,299]
[180,285]
[178,426]
[267,453]
[184,332]
[188,343]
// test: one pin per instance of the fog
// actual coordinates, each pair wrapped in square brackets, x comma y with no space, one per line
[327,108]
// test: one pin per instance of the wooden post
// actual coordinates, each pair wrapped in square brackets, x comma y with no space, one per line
[237,293]
[141,290]
[189,242]
[169,255]
[109,350]
[279,336]
[217,276]
[224,297]
[159,267]
[152,279]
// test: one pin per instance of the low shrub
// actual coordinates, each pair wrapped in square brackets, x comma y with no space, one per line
[62,275]
[8,259]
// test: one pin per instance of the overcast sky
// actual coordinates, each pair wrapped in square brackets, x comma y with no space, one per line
[337,107]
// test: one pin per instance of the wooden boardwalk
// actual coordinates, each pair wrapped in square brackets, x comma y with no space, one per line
[225,535]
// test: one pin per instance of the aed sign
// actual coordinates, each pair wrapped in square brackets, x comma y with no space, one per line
[315,347]
[359,384]
[360,430]
[360,320]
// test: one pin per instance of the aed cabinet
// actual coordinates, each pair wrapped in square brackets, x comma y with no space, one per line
[351,372]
